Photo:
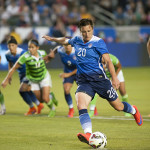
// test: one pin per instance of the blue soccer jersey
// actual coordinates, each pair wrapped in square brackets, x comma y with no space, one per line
[89,55]
[69,61]
[12,59]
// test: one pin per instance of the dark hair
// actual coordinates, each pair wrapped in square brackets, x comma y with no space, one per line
[85,22]
[12,40]
[35,42]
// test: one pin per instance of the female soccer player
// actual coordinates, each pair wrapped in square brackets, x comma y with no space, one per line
[36,73]
[91,77]
[12,55]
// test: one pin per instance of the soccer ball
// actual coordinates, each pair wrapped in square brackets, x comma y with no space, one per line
[98,140]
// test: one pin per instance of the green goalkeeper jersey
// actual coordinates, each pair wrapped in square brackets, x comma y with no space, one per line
[35,67]
[115,61]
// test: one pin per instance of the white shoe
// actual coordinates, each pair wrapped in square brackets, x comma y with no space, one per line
[2,112]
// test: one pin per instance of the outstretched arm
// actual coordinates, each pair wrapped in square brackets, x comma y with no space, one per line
[61,40]
[110,66]
[9,75]
[51,54]
[118,66]
[66,75]
[148,47]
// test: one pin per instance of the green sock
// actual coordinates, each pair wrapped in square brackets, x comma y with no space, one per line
[50,104]
[125,98]
[1,98]
[93,102]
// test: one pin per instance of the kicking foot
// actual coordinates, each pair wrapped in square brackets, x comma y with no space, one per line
[138,117]
[84,137]
[95,112]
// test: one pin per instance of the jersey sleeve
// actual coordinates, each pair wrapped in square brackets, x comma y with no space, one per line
[71,41]
[101,47]
[22,59]
[114,59]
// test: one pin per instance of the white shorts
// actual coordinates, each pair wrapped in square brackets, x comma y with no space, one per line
[120,76]
[44,83]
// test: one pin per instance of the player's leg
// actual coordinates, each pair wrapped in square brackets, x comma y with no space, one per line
[126,107]
[3,108]
[122,89]
[24,92]
[83,101]
[67,87]
[93,110]
[83,98]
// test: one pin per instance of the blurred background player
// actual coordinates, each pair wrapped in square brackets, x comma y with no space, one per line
[36,73]
[3,108]
[12,55]
[118,70]
[67,55]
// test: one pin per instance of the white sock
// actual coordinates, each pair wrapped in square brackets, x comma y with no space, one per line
[92,107]
[88,130]
[3,106]
[133,110]
[70,106]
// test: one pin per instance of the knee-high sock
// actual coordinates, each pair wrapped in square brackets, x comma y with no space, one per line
[85,121]
[69,100]
[125,98]
[33,98]
[26,98]
[129,108]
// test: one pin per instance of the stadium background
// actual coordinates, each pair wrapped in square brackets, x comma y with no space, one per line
[124,25]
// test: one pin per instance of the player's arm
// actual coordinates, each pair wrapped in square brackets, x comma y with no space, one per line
[118,66]
[61,40]
[0,59]
[66,75]
[9,75]
[110,66]
[51,55]
[148,47]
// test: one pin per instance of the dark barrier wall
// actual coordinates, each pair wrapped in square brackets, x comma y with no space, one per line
[129,54]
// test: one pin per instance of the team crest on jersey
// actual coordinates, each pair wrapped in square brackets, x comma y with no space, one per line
[90,45]
[74,57]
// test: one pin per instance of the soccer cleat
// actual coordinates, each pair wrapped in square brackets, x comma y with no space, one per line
[39,108]
[71,112]
[84,137]
[52,113]
[31,111]
[138,117]
[2,112]
[54,99]
[95,112]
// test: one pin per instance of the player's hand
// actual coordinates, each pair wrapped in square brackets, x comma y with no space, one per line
[115,83]
[64,75]
[47,37]
[4,83]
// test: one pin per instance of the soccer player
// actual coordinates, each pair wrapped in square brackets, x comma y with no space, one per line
[12,55]
[148,47]
[3,108]
[68,58]
[91,77]
[36,73]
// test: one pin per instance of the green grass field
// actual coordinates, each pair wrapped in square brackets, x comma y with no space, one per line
[38,132]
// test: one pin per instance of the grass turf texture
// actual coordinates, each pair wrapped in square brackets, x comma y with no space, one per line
[38,132]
